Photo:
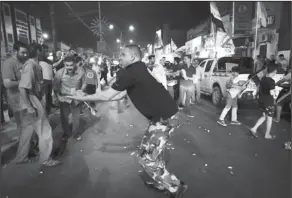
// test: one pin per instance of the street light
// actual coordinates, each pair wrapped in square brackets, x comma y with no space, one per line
[45,35]
[131,41]
[111,26]
[118,40]
[131,28]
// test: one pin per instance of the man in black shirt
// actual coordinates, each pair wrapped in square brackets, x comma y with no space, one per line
[155,103]
[266,102]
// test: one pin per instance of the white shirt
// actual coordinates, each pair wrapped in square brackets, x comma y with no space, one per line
[159,74]
[200,73]
[47,70]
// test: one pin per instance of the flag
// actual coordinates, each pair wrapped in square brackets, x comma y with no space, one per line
[215,16]
[173,46]
[262,14]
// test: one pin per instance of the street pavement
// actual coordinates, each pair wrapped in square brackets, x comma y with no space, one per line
[214,161]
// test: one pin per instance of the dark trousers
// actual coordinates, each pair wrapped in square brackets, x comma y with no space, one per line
[176,91]
[48,95]
[104,76]
[65,110]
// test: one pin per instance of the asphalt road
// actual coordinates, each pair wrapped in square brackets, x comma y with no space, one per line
[214,161]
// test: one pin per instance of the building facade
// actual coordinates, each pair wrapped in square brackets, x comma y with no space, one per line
[18,25]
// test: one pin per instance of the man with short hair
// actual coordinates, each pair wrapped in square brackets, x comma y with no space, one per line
[58,64]
[69,80]
[11,74]
[283,62]
[33,116]
[200,77]
[156,104]
[259,64]
[158,71]
[187,84]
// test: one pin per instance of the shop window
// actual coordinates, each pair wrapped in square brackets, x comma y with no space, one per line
[6,10]
[209,65]
[9,38]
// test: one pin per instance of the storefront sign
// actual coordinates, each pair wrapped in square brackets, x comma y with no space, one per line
[21,26]
[242,17]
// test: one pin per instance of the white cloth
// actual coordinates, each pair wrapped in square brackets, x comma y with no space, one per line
[47,70]
[159,74]
[234,90]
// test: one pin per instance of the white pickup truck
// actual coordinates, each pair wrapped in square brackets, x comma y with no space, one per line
[218,71]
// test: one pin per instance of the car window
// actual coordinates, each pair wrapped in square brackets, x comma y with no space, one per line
[209,65]
[202,64]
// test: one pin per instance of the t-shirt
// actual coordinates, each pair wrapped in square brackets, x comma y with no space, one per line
[266,85]
[11,69]
[90,77]
[190,71]
[32,79]
[47,70]
[149,96]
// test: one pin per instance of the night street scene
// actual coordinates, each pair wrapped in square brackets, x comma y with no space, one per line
[104,99]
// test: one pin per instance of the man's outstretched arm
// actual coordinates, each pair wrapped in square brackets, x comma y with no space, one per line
[106,95]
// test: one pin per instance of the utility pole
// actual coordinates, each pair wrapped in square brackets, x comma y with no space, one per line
[52,15]
[99,16]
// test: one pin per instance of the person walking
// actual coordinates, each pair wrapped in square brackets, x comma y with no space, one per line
[200,77]
[154,102]
[33,116]
[187,84]
[104,71]
[266,102]
[69,80]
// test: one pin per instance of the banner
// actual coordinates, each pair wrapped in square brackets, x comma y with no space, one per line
[101,47]
[21,26]
[242,17]
[193,46]
[8,26]
[32,29]
[39,31]
[158,40]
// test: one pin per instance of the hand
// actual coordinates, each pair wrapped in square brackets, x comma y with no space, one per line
[80,93]
[31,111]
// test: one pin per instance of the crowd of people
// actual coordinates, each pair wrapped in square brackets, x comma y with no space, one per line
[35,84]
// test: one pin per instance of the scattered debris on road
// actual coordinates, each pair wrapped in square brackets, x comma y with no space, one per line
[288,145]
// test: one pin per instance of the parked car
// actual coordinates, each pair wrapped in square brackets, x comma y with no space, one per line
[218,72]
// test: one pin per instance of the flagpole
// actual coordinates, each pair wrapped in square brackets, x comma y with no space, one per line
[256,31]
[233,15]
[213,32]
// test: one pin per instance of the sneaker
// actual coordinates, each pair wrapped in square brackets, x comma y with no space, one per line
[235,123]
[222,123]
[180,191]
[181,107]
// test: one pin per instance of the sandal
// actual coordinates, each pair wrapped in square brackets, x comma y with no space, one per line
[51,163]
[253,133]
[272,137]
